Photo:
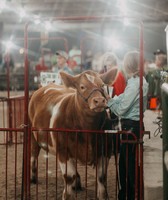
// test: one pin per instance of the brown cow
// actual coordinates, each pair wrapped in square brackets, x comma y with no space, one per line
[77,104]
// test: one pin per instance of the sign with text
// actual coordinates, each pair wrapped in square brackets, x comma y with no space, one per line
[49,77]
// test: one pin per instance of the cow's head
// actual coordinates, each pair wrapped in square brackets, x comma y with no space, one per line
[90,87]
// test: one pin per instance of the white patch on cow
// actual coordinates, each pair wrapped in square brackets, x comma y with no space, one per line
[32,158]
[55,110]
[55,113]
[166,159]
[52,89]
[101,187]
[70,168]
[43,145]
[90,78]
[46,156]
[49,172]
[100,191]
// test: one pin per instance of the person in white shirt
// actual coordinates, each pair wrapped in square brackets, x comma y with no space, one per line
[127,107]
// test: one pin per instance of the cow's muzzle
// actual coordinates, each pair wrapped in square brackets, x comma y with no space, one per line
[98,104]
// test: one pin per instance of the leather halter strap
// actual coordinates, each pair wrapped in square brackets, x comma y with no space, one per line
[94,90]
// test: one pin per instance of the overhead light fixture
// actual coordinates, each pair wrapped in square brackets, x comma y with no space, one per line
[22,13]
[113,43]
[122,4]
[21,51]
[126,21]
[8,45]
[2,5]
[37,19]
[48,25]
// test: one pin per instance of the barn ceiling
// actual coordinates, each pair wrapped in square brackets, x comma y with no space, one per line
[11,11]
[154,13]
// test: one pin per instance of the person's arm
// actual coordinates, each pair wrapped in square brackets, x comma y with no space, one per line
[120,104]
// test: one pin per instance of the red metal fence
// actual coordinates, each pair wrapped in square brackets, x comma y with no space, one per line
[15,147]
[11,147]
[50,184]
[12,117]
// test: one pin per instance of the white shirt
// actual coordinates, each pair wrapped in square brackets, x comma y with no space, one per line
[126,105]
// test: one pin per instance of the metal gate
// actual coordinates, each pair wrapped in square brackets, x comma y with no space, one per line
[165,137]
[15,132]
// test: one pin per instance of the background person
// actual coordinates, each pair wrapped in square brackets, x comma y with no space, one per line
[8,61]
[41,67]
[154,76]
[62,59]
[126,106]
[88,60]
[108,61]
[75,54]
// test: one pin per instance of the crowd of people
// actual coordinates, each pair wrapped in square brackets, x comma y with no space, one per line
[6,60]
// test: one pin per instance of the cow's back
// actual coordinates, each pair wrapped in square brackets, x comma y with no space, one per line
[42,102]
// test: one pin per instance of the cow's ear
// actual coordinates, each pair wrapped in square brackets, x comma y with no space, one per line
[68,80]
[109,76]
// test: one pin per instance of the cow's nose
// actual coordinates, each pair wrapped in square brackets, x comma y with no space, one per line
[99,101]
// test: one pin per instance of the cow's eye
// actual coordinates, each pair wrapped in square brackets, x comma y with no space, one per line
[82,87]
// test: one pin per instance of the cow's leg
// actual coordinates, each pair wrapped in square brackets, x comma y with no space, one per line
[102,178]
[35,150]
[77,183]
[71,179]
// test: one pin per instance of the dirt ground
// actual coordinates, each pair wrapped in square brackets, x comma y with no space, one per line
[11,177]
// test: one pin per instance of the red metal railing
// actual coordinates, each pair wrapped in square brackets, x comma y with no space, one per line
[15,170]
[89,176]
[12,117]
[50,183]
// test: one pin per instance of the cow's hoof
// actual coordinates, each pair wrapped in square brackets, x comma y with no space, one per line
[78,187]
[33,180]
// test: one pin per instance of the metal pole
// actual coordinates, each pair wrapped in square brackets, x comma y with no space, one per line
[26,169]
[165,139]
[141,188]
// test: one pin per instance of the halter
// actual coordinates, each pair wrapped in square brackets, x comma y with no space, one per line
[95,89]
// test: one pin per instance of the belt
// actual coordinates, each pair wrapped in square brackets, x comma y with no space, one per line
[129,121]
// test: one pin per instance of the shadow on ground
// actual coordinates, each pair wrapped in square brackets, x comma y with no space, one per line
[154,193]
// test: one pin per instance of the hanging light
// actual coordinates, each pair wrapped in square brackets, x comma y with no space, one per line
[122,5]
[113,43]
[22,13]
[8,45]
[21,50]
[2,5]
[48,25]
[37,19]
